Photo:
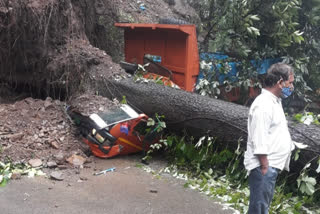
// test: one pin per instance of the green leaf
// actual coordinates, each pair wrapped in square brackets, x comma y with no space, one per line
[310,180]
[183,147]
[4,182]
[303,188]
[162,124]
[150,122]
[309,189]
[318,169]
[299,182]
[124,100]
[298,33]
[254,17]
[307,166]
[296,155]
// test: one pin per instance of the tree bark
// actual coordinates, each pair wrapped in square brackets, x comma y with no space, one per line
[201,115]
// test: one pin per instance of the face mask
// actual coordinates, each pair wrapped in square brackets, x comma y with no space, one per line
[286,92]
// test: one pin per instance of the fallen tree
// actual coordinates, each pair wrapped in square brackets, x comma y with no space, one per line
[200,115]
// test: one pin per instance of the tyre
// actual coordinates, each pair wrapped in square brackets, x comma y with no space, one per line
[129,67]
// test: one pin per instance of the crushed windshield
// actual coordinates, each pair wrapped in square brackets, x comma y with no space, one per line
[115,116]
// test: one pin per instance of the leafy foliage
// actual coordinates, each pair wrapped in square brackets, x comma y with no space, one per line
[217,171]
[8,169]
[306,184]
[258,29]
[154,126]
[142,75]
[208,85]
[307,118]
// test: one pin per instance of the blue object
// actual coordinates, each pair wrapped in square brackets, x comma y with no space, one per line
[142,7]
[105,171]
[220,76]
[261,65]
[157,59]
[286,92]
[154,58]
[232,74]
[124,128]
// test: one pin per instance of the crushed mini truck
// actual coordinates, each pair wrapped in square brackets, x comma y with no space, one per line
[117,131]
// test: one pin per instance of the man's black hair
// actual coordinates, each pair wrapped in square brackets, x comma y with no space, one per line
[277,72]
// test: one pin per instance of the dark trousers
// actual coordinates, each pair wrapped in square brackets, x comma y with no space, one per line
[261,190]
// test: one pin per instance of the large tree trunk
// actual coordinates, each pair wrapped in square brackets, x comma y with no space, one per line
[203,115]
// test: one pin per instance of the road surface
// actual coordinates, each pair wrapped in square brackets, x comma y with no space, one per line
[129,189]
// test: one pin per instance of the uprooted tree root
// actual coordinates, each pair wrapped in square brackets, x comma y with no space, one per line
[44,46]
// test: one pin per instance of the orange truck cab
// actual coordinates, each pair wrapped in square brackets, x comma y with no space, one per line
[172,46]
[118,131]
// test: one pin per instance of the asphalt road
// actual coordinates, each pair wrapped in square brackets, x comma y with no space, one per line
[129,189]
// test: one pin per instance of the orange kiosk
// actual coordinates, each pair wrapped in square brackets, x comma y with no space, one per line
[175,47]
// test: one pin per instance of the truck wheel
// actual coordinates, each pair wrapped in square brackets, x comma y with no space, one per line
[173,21]
[129,67]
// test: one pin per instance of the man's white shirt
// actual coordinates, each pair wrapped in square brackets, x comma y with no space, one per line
[268,133]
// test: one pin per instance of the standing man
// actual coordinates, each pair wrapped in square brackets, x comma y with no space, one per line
[269,143]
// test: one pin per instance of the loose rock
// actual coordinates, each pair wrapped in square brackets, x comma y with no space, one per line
[35,163]
[48,102]
[54,144]
[57,176]
[83,178]
[52,164]
[59,158]
[154,191]
[76,160]
[16,176]
[62,167]
[16,137]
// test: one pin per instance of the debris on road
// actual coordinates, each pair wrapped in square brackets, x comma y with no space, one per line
[105,171]
[34,127]
[40,134]
[16,176]
[76,160]
[57,176]
[35,163]
[52,164]
[16,170]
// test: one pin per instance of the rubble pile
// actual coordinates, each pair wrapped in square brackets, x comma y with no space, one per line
[33,129]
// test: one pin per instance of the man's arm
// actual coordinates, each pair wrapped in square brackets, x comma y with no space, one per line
[264,163]
[259,128]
